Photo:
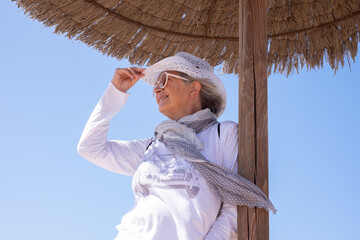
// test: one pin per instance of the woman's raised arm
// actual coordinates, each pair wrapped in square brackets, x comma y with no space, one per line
[117,156]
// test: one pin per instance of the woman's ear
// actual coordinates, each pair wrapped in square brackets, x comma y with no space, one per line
[195,88]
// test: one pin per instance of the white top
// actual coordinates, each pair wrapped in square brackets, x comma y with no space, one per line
[173,200]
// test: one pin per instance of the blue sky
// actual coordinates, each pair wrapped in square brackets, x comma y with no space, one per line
[50,85]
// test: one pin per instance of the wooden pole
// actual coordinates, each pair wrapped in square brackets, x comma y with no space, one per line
[253,223]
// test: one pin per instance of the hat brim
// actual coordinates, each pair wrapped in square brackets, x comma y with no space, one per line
[153,72]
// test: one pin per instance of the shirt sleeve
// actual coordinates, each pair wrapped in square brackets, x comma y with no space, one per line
[117,156]
[225,225]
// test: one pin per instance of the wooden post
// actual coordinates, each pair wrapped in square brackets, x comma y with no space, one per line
[253,223]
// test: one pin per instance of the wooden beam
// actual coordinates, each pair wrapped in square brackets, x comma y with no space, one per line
[253,223]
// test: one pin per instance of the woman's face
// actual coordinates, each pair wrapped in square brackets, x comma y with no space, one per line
[178,98]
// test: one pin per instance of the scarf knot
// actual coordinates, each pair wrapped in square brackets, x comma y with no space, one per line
[185,129]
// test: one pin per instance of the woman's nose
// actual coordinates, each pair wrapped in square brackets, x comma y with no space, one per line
[157,90]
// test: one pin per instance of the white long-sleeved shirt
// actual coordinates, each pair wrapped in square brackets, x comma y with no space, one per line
[173,200]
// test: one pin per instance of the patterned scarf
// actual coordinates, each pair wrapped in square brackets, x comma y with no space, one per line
[180,137]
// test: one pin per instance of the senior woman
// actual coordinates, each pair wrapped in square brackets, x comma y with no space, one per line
[183,181]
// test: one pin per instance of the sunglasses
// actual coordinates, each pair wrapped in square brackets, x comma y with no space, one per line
[163,80]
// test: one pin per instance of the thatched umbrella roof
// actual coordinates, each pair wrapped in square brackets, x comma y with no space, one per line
[299,32]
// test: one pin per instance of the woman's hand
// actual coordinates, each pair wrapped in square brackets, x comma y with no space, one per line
[125,78]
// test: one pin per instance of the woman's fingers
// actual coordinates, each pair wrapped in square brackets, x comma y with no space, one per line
[124,73]
[135,71]
[139,70]
[125,78]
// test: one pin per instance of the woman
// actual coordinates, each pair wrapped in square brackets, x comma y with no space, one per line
[178,175]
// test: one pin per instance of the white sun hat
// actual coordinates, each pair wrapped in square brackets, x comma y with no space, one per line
[190,65]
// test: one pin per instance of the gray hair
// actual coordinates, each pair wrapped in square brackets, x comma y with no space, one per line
[209,94]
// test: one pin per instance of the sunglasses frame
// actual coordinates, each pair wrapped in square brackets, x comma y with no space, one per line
[157,83]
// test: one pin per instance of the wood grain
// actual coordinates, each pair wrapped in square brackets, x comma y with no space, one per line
[253,223]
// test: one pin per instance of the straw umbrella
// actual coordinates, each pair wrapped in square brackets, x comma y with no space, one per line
[251,38]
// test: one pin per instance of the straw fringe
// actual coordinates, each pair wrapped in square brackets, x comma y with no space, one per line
[300,32]
[333,43]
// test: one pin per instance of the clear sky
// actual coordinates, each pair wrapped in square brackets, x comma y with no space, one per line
[50,85]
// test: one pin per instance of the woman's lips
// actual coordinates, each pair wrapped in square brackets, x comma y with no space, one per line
[161,99]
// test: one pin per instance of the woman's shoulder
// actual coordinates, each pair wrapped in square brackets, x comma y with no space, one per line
[222,130]
[227,127]
[228,124]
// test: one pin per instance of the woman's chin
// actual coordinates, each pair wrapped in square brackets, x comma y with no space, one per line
[163,105]
[165,111]
[162,109]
